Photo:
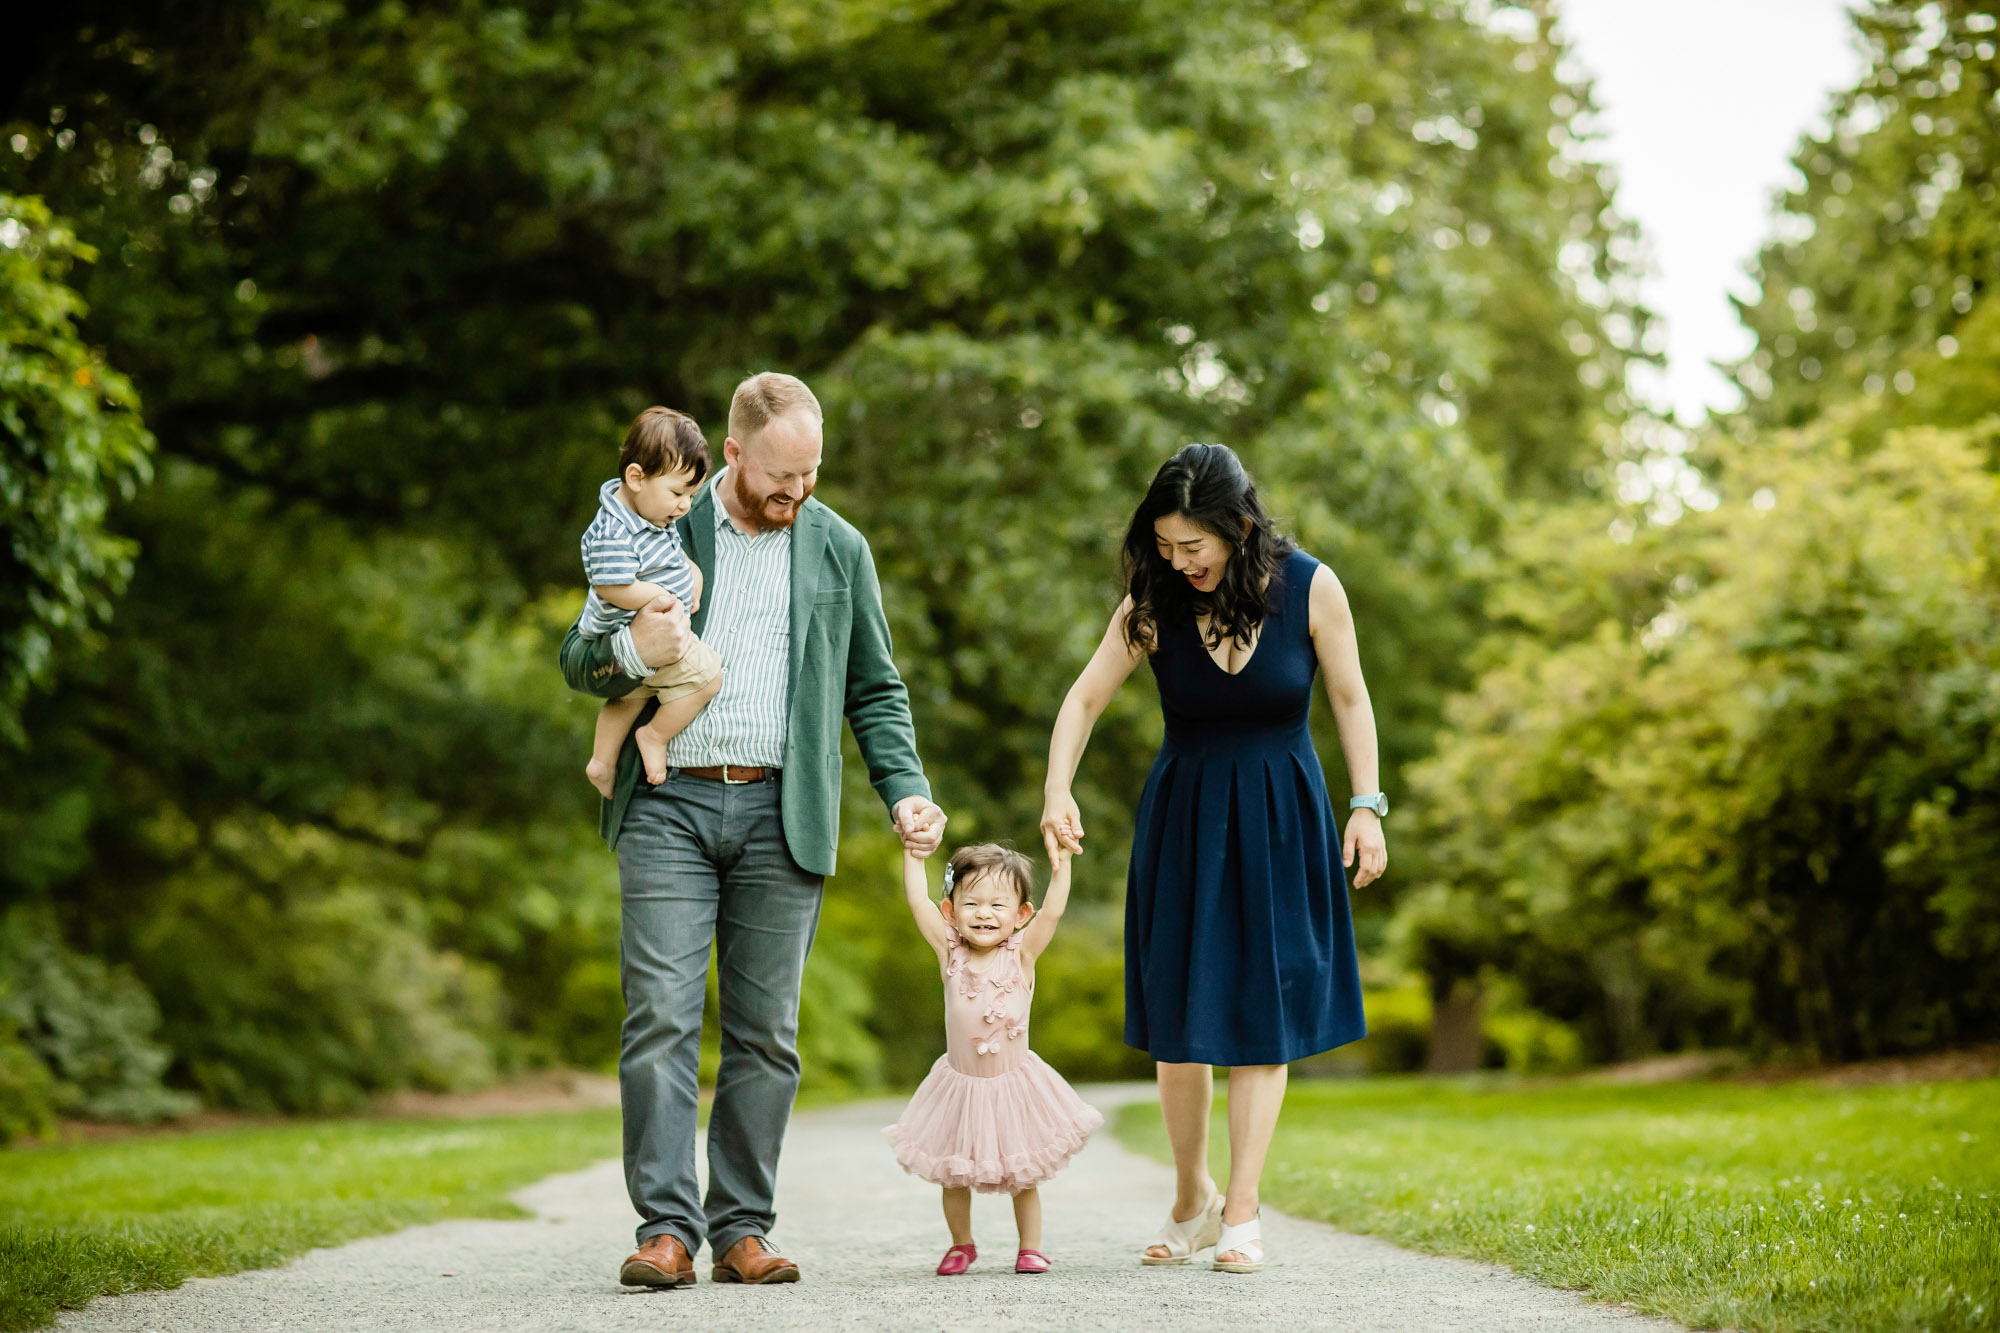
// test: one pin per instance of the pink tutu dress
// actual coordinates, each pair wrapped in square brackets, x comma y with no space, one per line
[990,1115]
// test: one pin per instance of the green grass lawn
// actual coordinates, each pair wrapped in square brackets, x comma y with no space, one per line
[1793,1206]
[93,1219]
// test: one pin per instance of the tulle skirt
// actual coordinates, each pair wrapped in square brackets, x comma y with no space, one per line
[997,1135]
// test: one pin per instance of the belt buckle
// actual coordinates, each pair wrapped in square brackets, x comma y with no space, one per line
[728,781]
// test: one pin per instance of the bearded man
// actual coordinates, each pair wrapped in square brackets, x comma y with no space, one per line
[732,848]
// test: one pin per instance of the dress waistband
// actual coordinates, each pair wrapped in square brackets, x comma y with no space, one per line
[1188,736]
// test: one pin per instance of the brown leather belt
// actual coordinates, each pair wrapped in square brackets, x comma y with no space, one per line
[733,774]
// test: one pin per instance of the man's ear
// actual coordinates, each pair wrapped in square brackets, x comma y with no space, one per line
[732,452]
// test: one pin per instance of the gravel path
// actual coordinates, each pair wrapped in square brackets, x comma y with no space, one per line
[867,1238]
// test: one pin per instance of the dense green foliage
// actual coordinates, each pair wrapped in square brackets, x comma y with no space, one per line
[1788,1207]
[70,442]
[89,1024]
[1879,279]
[1730,770]
[100,1219]
[391,279]
[1737,779]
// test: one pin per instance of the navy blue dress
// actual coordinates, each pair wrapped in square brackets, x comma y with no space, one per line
[1239,949]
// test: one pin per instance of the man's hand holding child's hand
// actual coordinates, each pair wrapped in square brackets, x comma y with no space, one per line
[920,824]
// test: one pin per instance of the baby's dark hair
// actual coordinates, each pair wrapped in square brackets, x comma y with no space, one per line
[663,440]
[990,858]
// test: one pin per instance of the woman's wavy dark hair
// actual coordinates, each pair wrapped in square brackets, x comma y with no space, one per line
[1207,485]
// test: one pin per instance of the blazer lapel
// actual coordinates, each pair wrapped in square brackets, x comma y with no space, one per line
[698,536]
[808,549]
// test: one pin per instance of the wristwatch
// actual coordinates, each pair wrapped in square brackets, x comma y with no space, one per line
[1379,803]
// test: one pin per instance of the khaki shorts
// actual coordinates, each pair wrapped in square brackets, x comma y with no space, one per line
[698,665]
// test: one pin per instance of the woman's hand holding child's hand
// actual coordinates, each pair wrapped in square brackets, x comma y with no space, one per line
[1062,824]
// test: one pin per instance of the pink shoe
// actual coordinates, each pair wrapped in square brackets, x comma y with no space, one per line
[1030,1261]
[957,1259]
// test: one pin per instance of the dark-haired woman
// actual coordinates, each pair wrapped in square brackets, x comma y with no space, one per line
[1239,950]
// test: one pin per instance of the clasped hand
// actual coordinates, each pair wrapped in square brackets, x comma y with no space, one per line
[1062,825]
[919,823]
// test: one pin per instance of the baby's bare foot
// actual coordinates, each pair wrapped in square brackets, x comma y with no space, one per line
[600,775]
[652,753]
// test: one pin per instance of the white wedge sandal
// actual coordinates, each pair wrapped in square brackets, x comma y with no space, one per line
[1181,1240]
[1246,1239]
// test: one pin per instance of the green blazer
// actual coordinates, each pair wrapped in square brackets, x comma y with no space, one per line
[841,665]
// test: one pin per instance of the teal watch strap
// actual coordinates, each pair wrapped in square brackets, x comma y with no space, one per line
[1379,803]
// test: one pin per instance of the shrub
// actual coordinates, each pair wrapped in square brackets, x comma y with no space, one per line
[1734,780]
[1530,1042]
[88,1024]
[27,1089]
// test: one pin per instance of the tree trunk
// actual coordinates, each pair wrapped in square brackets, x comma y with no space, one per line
[1456,1044]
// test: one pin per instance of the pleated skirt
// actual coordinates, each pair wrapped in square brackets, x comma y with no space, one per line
[1239,943]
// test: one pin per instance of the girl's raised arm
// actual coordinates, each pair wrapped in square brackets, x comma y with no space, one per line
[917,890]
[1062,822]
[1042,927]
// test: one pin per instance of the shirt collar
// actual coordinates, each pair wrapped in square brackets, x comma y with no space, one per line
[628,518]
[715,498]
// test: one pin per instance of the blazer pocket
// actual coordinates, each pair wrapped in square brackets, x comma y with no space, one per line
[833,614]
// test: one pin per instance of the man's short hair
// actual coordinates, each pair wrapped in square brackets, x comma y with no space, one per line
[663,440]
[765,397]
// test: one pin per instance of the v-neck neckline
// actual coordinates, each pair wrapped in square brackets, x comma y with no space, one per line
[1256,646]
[1272,611]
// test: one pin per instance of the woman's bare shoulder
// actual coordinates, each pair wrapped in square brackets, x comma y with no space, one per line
[1327,599]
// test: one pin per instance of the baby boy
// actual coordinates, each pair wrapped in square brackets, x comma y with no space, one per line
[631,555]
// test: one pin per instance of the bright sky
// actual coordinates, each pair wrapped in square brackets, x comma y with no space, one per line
[1703,102]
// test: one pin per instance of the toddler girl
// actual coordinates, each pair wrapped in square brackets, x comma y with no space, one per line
[990,1116]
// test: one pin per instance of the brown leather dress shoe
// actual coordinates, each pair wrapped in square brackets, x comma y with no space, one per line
[752,1260]
[661,1261]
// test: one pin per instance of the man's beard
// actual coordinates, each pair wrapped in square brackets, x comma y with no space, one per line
[769,512]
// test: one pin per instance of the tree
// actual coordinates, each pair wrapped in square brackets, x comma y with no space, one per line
[70,441]
[1700,791]
[1878,281]
[392,280]
[1734,779]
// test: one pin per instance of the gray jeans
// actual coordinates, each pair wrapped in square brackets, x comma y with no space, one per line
[699,861]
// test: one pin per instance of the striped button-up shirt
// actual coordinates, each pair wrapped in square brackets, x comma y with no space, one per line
[749,624]
[620,547]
